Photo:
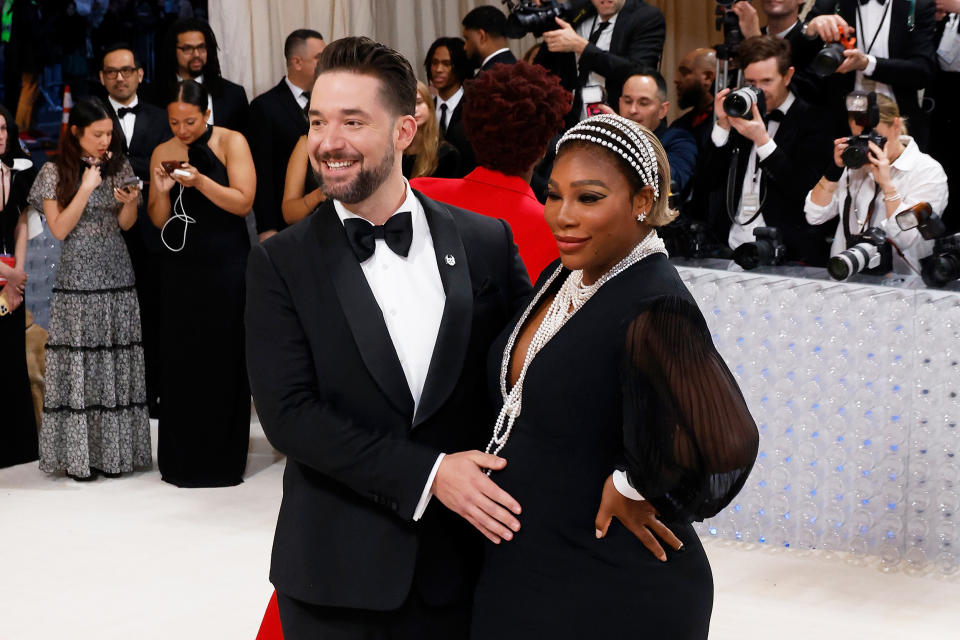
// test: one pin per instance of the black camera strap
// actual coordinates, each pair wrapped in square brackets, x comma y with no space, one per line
[733,205]
[848,236]
[886,8]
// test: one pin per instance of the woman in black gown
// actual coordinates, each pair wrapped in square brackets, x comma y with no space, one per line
[18,435]
[203,188]
[616,370]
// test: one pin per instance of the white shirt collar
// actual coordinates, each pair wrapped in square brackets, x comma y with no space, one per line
[410,203]
[198,79]
[787,102]
[495,53]
[294,89]
[117,106]
[451,102]
[908,158]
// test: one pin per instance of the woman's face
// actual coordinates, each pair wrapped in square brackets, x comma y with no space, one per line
[95,139]
[187,121]
[591,212]
[3,135]
[422,111]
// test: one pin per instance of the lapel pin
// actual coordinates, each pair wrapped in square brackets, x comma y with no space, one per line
[451,260]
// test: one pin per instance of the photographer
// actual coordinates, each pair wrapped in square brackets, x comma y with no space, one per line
[603,41]
[895,53]
[759,167]
[892,180]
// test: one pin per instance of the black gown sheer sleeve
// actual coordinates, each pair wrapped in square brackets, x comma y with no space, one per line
[689,439]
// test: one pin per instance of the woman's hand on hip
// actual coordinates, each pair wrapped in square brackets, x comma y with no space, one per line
[639,516]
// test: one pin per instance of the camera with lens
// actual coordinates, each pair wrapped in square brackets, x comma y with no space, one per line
[943,265]
[768,249]
[739,103]
[526,16]
[871,252]
[862,108]
[829,58]
[729,23]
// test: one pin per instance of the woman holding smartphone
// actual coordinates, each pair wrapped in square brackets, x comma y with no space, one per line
[202,189]
[95,416]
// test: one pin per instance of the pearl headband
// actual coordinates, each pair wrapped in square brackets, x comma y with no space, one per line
[623,137]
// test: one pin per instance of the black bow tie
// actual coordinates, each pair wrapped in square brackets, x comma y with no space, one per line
[880,2]
[122,111]
[775,116]
[397,232]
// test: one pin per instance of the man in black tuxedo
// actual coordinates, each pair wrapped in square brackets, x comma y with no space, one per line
[605,39]
[447,66]
[898,66]
[945,93]
[144,126]
[189,52]
[278,118]
[757,172]
[367,334]
[485,35]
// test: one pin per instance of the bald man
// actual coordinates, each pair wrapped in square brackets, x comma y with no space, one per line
[694,83]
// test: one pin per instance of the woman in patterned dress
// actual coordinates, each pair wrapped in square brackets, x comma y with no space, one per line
[94,408]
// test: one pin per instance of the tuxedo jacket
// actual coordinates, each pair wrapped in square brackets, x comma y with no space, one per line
[637,39]
[150,129]
[504,57]
[456,136]
[909,66]
[331,395]
[276,123]
[804,149]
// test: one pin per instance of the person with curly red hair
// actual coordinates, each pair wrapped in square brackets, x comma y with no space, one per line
[510,114]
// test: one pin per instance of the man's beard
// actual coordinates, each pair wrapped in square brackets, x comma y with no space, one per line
[361,187]
[197,73]
[690,97]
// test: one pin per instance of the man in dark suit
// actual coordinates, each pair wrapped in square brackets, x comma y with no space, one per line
[447,66]
[367,334]
[605,39]
[899,65]
[189,52]
[278,118]
[485,34]
[945,92]
[144,126]
[758,171]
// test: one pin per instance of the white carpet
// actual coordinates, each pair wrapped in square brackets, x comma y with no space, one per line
[135,558]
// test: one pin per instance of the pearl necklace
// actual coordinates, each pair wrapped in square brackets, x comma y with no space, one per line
[571,297]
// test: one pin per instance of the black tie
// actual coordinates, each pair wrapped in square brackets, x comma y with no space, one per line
[306,107]
[593,39]
[397,232]
[443,120]
[122,111]
[775,116]
[880,2]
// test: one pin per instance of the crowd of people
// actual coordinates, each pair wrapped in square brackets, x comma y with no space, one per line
[570,148]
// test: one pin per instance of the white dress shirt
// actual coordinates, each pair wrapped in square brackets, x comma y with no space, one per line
[302,100]
[917,178]
[876,20]
[948,52]
[410,295]
[741,231]
[584,29]
[199,80]
[451,103]
[129,120]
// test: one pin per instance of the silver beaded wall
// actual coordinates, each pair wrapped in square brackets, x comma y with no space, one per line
[855,391]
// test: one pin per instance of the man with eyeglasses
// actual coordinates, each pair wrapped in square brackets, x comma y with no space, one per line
[144,126]
[189,52]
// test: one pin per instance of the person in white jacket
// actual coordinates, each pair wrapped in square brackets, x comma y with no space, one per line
[894,179]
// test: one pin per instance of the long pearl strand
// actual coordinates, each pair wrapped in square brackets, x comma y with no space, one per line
[571,297]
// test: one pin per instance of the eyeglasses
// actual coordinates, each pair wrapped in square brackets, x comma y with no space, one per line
[189,49]
[126,72]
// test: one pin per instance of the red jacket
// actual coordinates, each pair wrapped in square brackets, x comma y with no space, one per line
[509,198]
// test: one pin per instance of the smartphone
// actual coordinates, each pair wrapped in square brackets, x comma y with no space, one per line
[170,165]
[133,182]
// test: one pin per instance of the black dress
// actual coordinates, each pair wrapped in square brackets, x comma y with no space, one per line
[18,435]
[204,424]
[632,381]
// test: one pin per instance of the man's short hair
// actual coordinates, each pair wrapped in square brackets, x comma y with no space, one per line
[120,46]
[361,55]
[487,18]
[759,48]
[462,67]
[648,72]
[296,39]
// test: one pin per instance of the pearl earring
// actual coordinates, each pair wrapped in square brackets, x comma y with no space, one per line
[642,216]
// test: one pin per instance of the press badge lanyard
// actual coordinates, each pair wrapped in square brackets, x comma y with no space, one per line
[886,8]
[846,211]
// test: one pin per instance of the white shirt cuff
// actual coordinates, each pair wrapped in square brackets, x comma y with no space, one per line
[719,135]
[871,65]
[623,485]
[426,495]
[764,150]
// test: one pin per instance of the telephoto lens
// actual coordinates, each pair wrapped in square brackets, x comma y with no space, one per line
[739,103]
[863,255]
[768,249]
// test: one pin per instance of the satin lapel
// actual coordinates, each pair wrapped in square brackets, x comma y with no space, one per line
[360,307]
[454,335]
